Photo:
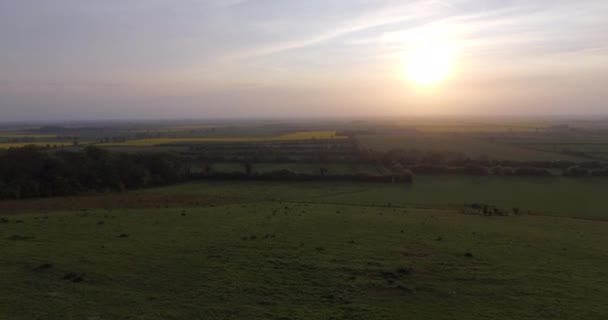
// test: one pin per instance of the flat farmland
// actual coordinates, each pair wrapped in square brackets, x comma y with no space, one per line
[20,135]
[472,146]
[552,196]
[7,145]
[479,126]
[592,145]
[156,258]
[304,135]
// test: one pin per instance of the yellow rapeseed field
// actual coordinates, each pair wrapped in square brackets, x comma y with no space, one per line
[38,143]
[304,135]
[17,135]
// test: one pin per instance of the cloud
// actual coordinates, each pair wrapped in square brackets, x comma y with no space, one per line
[346,50]
[380,17]
[230,3]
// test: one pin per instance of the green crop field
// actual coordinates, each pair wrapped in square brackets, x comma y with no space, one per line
[476,126]
[589,144]
[552,196]
[472,146]
[288,249]
[218,250]
[18,135]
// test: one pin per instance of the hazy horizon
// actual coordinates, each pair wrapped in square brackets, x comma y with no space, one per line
[83,60]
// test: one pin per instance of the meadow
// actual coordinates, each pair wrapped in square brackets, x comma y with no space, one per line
[550,196]
[474,146]
[248,249]
[251,250]
[595,146]
[474,127]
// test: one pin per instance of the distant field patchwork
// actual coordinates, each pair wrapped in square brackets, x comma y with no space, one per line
[20,135]
[553,196]
[455,126]
[472,146]
[304,135]
[181,128]
[37,143]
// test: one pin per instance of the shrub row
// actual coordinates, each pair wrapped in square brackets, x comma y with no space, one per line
[32,172]
[287,175]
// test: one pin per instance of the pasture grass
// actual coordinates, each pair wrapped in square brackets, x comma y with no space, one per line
[480,126]
[285,260]
[472,146]
[595,145]
[318,250]
[552,196]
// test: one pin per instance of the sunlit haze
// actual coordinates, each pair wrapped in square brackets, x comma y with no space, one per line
[113,59]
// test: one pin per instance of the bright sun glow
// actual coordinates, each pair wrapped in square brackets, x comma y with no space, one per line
[430,55]
[429,64]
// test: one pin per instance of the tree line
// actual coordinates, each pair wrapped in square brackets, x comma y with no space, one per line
[33,172]
[289,175]
[435,162]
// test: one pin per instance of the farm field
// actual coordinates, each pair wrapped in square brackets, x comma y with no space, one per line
[479,125]
[472,146]
[595,146]
[499,140]
[198,250]
[547,196]
[36,143]
[306,135]
[231,246]
[303,160]
[181,128]
[552,196]
[12,135]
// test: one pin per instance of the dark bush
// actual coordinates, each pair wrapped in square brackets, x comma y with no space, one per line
[530,171]
[429,168]
[33,172]
[576,171]
[474,169]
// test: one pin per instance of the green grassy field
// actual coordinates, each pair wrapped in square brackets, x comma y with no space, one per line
[472,146]
[282,260]
[256,250]
[551,196]
[594,145]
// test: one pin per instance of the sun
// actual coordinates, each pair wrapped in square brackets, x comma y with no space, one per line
[429,63]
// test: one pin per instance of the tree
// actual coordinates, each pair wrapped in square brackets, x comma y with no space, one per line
[248,166]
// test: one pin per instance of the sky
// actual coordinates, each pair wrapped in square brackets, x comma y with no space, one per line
[123,59]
